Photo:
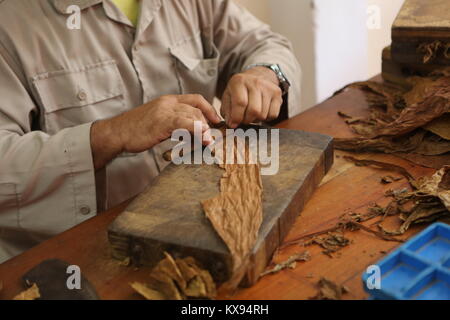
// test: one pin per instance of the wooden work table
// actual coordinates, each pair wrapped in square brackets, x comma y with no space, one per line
[347,188]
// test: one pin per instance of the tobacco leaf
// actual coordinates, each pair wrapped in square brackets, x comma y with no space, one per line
[413,122]
[384,166]
[290,263]
[433,145]
[384,144]
[236,213]
[437,186]
[430,50]
[434,162]
[440,126]
[332,242]
[177,279]
[147,292]
[31,293]
[200,284]
[389,179]
[419,142]
[431,201]
[328,290]
[421,213]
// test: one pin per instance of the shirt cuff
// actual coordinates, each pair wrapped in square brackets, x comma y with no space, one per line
[77,144]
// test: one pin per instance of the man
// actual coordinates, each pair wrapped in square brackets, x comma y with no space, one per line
[85,112]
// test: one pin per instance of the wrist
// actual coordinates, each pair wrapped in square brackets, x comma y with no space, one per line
[106,142]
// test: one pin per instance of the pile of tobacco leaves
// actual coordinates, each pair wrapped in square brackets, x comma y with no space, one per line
[426,200]
[412,123]
[177,279]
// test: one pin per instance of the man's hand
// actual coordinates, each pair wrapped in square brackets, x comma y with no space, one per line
[252,96]
[144,127]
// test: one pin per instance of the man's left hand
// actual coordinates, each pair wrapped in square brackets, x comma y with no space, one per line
[252,96]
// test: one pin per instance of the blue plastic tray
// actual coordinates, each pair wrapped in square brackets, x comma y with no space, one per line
[417,270]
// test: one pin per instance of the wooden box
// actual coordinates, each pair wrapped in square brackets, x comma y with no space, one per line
[398,73]
[422,24]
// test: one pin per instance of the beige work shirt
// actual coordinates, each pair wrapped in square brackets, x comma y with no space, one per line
[55,82]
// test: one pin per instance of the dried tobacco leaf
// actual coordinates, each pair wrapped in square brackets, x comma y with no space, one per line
[421,112]
[177,279]
[397,118]
[434,162]
[236,213]
[200,284]
[31,293]
[440,126]
[421,213]
[332,242]
[389,179]
[384,166]
[147,292]
[328,290]
[437,186]
[290,263]
[431,49]
[431,201]
[419,142]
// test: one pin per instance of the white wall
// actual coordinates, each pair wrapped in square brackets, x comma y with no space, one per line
[294,19]
[380,37]
[341,44]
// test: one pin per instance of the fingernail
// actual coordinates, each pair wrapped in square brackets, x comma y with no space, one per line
[205,127]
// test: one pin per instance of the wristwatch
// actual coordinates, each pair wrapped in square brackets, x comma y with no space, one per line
[284,82]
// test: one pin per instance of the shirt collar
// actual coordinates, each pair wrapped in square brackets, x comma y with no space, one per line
[148,10]
[62,5]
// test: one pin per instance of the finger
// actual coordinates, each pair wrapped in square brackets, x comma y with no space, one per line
[191,125]
[266,100]
[190,112]
[275,107]
[254,107]
[239,102]
[225,108]
[197,101]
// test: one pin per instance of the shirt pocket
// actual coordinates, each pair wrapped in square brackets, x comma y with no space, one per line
[197,65]
[72,97]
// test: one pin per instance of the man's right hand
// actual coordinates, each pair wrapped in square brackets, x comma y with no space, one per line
[142,128]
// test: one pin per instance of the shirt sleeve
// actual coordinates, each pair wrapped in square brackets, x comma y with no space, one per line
[244,40]
[47,183]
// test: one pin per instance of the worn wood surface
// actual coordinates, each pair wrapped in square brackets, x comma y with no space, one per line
[346,188]
[418,22]
[168,216]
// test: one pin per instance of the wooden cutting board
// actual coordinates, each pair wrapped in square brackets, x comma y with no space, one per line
[168,215]
[421,22]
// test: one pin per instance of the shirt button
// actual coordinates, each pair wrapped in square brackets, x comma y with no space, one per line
[85,210]
[212,72]
[82,95]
